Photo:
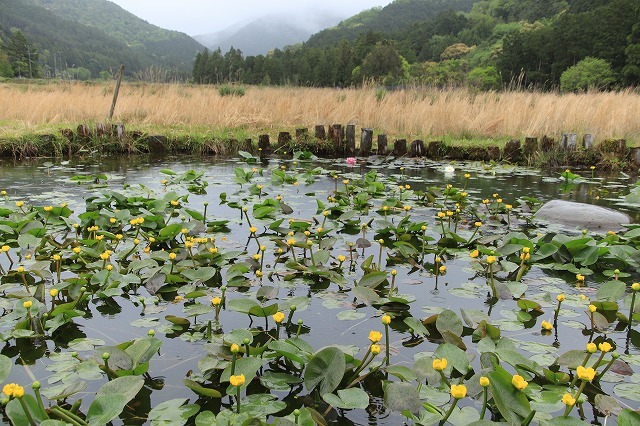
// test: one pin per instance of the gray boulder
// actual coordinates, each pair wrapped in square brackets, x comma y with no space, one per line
[582,216]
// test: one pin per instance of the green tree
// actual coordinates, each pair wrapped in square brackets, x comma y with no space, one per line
[5,66]
[381,62]
[589,73]
[485,78]
[23,56]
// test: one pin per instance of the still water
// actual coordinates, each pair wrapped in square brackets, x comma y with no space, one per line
[333,315]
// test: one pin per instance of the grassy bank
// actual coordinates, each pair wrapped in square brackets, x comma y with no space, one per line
[198,118]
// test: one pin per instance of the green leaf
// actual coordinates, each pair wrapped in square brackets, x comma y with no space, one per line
[401,396]
[127,386]
[201,390]
[325,370]
[105,408]
[348,399]
[15,412]
[5,367]
[448,321]
[611,291]
[628,390]
[247,366]
[172,412]
[512,403]
[628,418]
[373,279]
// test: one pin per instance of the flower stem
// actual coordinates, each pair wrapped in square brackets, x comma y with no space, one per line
[484,402]
[446,416]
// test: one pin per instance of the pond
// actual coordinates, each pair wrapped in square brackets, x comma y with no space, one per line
[136,251]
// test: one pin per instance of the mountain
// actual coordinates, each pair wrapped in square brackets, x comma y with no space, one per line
[267,33]
[94,34]
[392,18]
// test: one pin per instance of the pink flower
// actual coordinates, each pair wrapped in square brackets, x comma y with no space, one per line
[351,161]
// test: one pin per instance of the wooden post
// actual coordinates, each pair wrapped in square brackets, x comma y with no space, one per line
[530,146]
[569,141]
[589,141]
[512,151]
[264,145]
[417,148]
[321,132]
[337,136]
[301,134]
[284,138]
[366,141]
[351,140]
[115,92]
[382,145]
[400,148]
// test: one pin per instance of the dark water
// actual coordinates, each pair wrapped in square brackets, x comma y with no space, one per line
[43,182]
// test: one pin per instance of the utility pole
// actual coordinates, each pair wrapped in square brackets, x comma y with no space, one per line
[29,54]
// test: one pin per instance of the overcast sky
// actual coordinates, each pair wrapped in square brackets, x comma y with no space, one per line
[196,17]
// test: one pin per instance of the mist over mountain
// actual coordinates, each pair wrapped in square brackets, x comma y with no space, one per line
[266,33]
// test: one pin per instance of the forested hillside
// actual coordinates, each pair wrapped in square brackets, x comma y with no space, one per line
[488,44]
[84,39]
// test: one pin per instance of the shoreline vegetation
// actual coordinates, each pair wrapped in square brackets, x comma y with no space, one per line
[44,118]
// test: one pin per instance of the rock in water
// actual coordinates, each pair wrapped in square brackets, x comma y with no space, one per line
[582,216]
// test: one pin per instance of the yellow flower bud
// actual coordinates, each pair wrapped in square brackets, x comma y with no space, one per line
[567,399]
[278,317]
[592,308]
[560,297]
[591,348]
[484,381]
[546,325]
[604,347]
[375,336]
[586,374]
[237,380]
[375,349]
[458,391]
[519,382]
[216,301]
[27,304]
[386,319]
[439,364]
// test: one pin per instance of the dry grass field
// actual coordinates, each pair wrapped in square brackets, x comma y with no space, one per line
[455,114]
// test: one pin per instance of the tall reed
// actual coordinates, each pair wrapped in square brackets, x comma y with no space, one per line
[416,112]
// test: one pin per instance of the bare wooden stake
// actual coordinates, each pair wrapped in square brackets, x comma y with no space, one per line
[115,92]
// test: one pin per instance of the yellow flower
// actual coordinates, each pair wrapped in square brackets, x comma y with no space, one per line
[20,269]
[407,208]
[19,203]
[583,297]
[442,269]
[592,308]
[213,250]
[178,298]
[635,286]
[394,272]
[386,319]
[112,220]
[278,317]
[546,325]
[519,382]
[109,267]
[474,254]
[174,203]
[458,391]
[237,380]
[48,208]
[56,257]
[235,348]
[375,349]
[164,181]
[491,259]
[172,256]
[105,256]
[604,347]
[54,292]
[560,297]
[586,374]
[567,399]
[13,390]
[484,381]
[216,301]
[441,215]
[591,348]
[253,229]
[27,304]
[5,248]
[375,336]
[439,364]
[477,224]
[467,175]
[579,277]
[257,256]
[341,257]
